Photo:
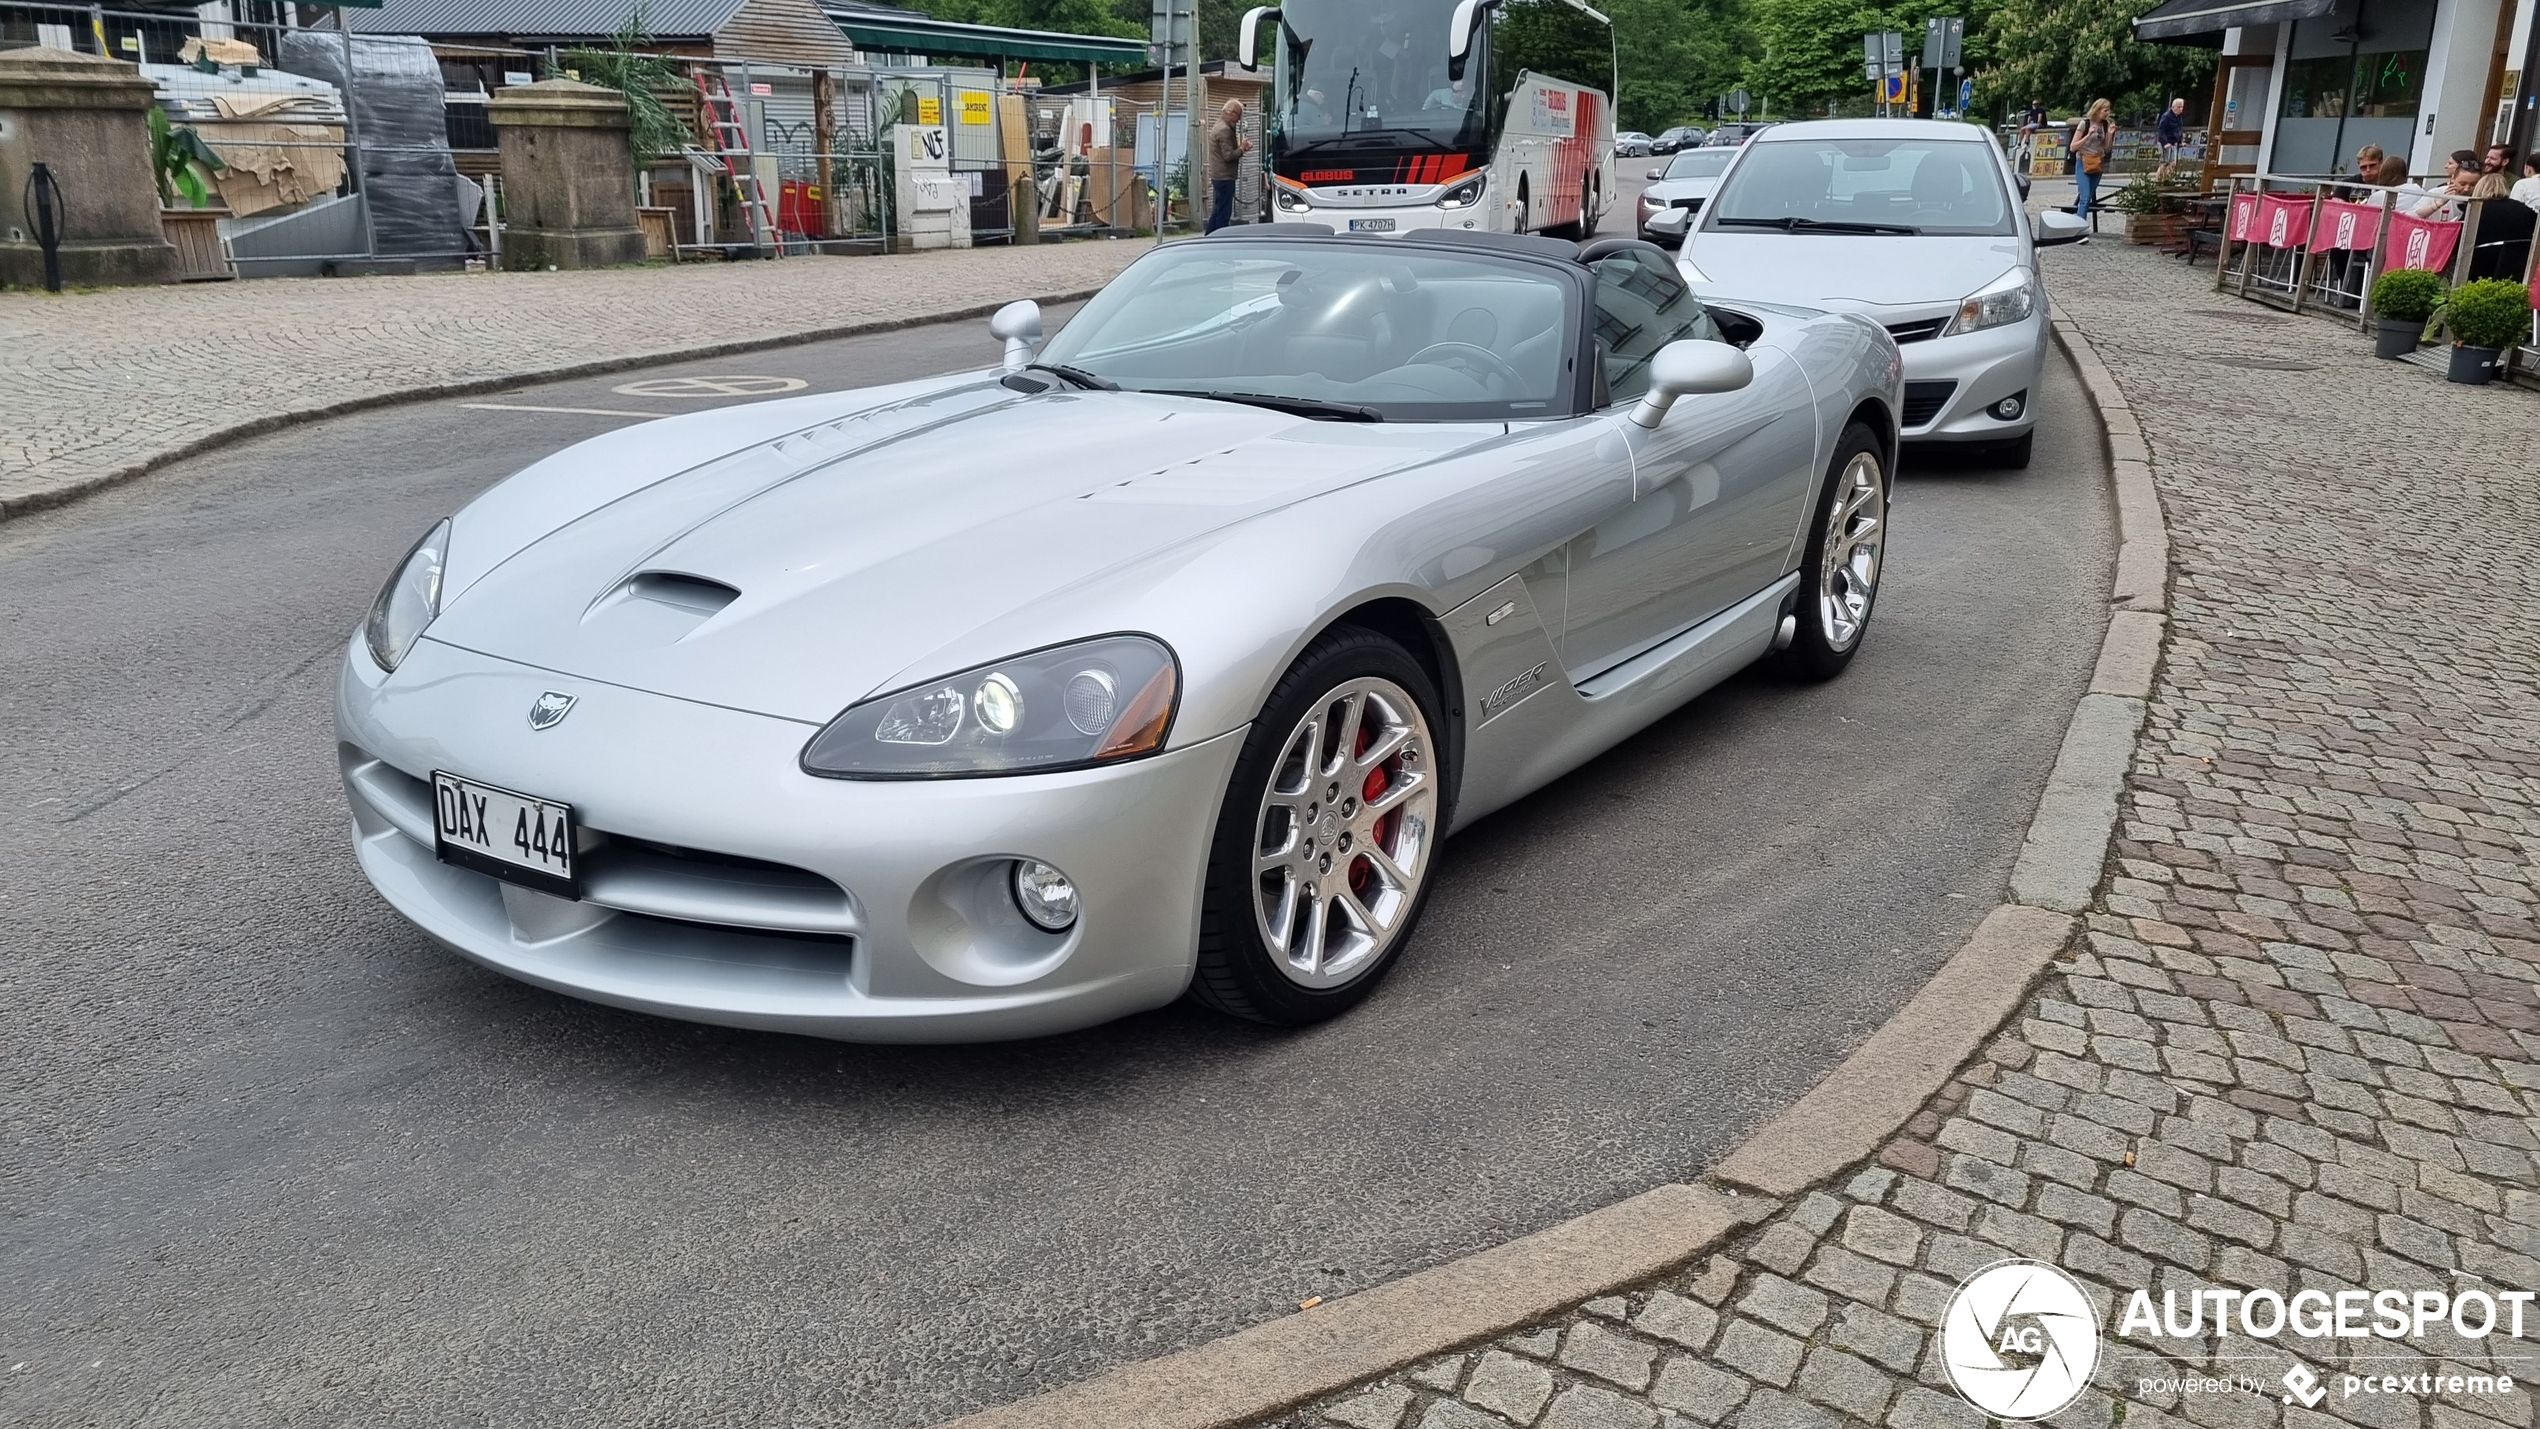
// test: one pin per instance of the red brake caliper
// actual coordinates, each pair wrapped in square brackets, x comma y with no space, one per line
[1361,872]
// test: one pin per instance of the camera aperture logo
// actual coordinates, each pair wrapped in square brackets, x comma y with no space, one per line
[2019,1339]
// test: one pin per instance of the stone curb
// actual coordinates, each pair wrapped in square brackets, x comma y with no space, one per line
[1837,1124]
[71,490]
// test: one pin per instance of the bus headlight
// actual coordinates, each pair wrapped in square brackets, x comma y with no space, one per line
[1292,200]
[1465,194]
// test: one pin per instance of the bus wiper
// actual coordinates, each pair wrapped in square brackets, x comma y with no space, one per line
[1793,223]
[1312,145]
[1077,375]
[1293,406]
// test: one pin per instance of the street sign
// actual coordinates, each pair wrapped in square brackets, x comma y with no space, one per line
[1943,36]
[1966,95]
[1737,101]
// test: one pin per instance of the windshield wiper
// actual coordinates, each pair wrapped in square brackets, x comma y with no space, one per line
[1294,406]
[1077,375]
[1793,223]
[1344,138]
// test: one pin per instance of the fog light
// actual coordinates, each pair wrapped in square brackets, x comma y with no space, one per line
[1046,896]
[2009,408]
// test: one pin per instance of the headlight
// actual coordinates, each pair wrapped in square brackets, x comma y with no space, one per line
[1465,194]
[1097,702]
[410,600]
[1291,200]
[2006,299]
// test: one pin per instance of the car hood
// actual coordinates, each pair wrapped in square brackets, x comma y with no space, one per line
[794,574]
[1848,272]
[1669,190]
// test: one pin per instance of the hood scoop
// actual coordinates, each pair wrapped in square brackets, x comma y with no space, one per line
[656,608]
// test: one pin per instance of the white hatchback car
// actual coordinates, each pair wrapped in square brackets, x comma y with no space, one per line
[1916,224]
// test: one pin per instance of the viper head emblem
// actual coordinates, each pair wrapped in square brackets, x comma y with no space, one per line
[550,710]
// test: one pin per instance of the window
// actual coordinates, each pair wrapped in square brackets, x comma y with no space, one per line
[1641,306]
[2371,86]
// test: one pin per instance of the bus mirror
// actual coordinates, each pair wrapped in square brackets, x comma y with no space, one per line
[1245,44]
[1459,36]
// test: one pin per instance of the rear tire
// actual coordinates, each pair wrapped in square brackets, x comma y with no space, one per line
[1525,207]
[1323,856]
[1847,547]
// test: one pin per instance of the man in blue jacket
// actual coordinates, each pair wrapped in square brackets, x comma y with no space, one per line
[2172,134]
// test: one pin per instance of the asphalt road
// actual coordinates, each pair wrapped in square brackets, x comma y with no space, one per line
[273,1158]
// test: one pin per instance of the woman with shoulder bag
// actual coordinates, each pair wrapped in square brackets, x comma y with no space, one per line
[2096,140]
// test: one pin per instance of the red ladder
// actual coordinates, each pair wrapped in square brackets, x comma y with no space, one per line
[729,140]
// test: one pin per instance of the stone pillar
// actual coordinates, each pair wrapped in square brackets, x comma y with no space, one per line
[87,119]
[568,179]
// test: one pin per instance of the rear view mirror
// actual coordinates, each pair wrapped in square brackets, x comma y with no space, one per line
[1018,325]
[1691,368]
[1670,223]
[1658,173]
[2056,226]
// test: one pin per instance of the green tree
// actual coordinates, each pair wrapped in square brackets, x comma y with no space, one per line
[1809,51]
[2070,52]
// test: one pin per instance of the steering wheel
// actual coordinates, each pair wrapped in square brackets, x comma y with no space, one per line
[1490,363]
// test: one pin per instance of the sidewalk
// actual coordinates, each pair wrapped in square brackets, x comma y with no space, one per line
[2298,1046]
[102,385]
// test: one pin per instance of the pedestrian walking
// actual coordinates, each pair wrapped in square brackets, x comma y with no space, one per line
[1226,149]
[2171,133]
[2093,141]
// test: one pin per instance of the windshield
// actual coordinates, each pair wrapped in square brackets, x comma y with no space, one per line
[1415,334]
[1379,70]
[1699,163]
[1931,186]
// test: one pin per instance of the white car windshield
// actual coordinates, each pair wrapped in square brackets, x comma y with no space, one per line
[1699,163]
[1375,331]
[1892,186]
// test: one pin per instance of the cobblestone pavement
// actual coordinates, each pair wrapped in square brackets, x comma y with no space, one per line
[101,382]
[2297,1044]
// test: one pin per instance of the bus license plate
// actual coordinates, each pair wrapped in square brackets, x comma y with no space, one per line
[1371,225]
[525,840]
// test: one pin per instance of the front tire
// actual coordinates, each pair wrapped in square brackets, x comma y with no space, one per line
[1329,832]
[1847,545]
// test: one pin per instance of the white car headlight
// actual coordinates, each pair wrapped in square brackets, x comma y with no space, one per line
[410,600]
[1465,194]
[2006,299]
[1096,702]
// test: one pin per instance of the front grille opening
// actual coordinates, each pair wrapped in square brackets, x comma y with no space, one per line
[1923,331]
[708,859]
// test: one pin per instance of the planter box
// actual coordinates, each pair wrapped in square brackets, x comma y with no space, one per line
[2154,227]
[195,235]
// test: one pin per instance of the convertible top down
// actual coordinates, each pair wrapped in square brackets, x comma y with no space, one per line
[1158,660]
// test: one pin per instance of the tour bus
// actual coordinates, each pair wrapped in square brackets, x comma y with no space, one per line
[1388,115]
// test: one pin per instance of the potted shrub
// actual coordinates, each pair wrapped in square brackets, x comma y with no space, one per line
[2145,219]
[2402,300]
[2485,317]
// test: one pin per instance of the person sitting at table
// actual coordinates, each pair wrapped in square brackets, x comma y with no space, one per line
[2504,230]
[2390,180]
[2527,192]
[2460,175]
[2367,165]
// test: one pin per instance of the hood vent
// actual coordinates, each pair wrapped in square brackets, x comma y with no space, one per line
[654,609]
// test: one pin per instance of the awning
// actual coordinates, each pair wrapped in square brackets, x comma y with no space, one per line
[918,35]
[2191,21]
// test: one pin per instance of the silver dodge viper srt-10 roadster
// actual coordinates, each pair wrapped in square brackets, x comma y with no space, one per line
[1158,661]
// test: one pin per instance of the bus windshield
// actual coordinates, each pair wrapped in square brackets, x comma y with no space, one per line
[1376,71]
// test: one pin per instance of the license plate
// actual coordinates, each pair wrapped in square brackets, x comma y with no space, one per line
[1371,225]
[528,841]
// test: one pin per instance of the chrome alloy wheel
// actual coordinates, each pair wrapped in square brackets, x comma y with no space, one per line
[1856,533]
[1342,841]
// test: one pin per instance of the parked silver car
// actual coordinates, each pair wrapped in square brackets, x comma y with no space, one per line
[1686,182]
[1631,144]
[1159,661]
[1915,224]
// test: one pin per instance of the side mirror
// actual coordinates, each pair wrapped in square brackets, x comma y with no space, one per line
[1691,368]
[1018,325]
[1658,173]
[2055,226]
[1245,46]
[1672,223]
[1459,35]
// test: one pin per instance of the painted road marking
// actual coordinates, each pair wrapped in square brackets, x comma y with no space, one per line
[711,386]
[569,411]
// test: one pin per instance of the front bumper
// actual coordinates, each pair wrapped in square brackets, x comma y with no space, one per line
[1403,218]
[1980,368]
[722,884]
